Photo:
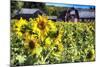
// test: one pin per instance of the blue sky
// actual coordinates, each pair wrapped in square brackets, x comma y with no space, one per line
[69,5]
[86,2]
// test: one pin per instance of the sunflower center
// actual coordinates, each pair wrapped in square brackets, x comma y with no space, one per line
[31,44]
[41,25]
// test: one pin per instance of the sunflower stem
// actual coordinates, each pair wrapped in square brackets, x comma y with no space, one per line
[48,54]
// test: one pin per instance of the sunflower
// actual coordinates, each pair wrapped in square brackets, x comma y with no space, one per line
[32,43]
[40,26]
[19,34]
[59,35]
[18,24]
[42,22]
[48,42]
[52,26]
[17,27]
[34,47]
[58,49]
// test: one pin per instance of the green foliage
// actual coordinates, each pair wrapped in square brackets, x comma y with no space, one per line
[78,40]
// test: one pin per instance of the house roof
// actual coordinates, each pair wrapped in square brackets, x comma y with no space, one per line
[29,11]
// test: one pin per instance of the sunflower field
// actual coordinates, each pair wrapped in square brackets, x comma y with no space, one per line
[42,41]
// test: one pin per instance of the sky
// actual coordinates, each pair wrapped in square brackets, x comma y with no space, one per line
[83,2]
[69,5]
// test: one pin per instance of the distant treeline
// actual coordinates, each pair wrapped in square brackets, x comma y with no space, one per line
[49,10]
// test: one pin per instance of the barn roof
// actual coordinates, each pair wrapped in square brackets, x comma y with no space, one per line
[86,14]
